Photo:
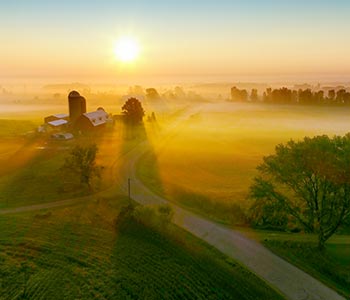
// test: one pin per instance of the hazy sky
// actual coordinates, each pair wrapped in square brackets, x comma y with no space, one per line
[254,37]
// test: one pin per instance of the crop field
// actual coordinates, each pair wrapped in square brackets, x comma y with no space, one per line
[79,253]
[209,164]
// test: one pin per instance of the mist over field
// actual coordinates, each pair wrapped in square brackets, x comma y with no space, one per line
[221,142]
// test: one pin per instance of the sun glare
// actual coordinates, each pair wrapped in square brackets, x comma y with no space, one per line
[127,49]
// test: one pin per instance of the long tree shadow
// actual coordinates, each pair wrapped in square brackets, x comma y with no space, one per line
[35,181]
[147,264]
[141,137]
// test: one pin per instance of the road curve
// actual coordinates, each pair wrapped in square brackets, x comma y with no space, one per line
[292,282]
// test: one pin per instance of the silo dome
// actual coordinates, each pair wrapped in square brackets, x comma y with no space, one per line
[73,94]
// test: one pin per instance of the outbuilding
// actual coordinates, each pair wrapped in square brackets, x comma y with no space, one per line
[56,117]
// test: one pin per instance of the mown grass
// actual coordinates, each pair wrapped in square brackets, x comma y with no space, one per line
[332,266]
[78,253]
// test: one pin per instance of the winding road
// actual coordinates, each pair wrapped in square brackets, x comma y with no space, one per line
[292,282]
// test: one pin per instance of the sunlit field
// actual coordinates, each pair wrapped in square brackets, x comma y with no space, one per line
[210,160]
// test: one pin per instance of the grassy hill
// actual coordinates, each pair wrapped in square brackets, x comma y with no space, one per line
[78,253]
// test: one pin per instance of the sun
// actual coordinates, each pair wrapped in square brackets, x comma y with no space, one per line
[127,49]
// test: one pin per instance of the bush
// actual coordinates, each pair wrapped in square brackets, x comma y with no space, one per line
[157,217]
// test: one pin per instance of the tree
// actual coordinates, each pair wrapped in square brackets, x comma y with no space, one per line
[82,162]
[331,96]
[282,95]
[133,111]
[239,95]
[254,95]
[310,181]
[305,96]
[152,93]
[340,96]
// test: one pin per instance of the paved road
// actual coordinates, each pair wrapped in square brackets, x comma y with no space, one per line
[289,280]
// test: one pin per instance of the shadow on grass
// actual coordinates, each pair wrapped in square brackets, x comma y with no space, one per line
[141,135]
[153,264]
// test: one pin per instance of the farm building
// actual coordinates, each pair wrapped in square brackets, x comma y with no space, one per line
[56,117]
[57,124]
[78,118]
[92,120]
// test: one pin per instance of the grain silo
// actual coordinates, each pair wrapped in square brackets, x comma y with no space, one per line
[77,106]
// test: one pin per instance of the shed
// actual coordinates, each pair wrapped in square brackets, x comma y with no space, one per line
[58,123]
[56,117]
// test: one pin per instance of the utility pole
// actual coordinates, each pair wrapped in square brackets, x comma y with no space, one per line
[129,189]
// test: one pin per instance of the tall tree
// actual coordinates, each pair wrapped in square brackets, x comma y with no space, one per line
[82,163]
[133,111]
[310,180]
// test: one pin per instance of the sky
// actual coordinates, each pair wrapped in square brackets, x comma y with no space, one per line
[177,38]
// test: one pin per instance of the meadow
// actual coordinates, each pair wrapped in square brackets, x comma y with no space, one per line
[210,161]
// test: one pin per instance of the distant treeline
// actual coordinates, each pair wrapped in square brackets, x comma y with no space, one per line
[287,96]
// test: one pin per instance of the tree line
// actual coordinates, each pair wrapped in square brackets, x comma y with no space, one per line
[288,96]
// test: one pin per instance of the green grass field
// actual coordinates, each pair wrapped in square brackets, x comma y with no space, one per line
[332,266]
[210,161]
[78,253]
[31,166]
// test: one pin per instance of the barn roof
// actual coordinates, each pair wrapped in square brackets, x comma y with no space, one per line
[97,117]
[59,122]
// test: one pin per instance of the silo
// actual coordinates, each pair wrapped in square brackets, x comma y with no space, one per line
[77,106]
[82,104]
